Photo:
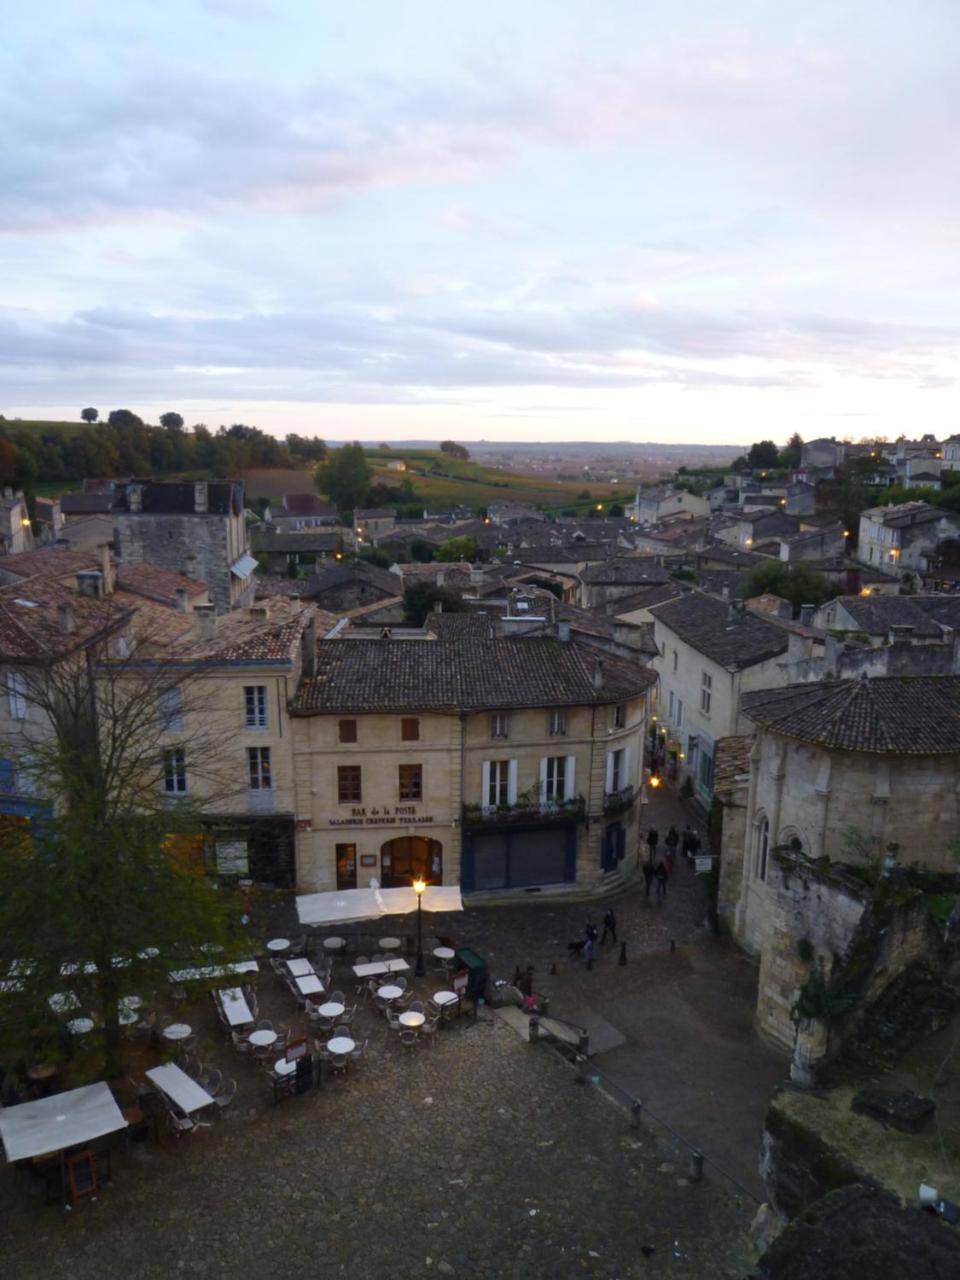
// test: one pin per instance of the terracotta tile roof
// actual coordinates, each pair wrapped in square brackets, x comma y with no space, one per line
[733,638]
[30,620]
[644,599]
[154,623]
[624,571]
[242,637]
[150,580]
[731,762]
[926,614]
[59,562]
[470,674]
[895,715]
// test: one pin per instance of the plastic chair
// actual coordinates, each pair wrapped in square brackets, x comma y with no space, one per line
[347,1016]
[338,1061]
[226,1095]
[429,1030]
[337,997]
[360,1051]
[416,1006]
[408,1038]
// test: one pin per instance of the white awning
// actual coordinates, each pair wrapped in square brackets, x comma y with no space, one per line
[243,567]
[64,1120]
[370,904]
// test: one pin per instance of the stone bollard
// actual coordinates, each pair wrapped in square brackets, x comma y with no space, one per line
[533,1034]
[553,969]
[696,1166]
[623,953]
[636,1112]
[583,1067]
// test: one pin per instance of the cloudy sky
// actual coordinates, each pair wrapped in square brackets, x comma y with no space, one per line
[545,219]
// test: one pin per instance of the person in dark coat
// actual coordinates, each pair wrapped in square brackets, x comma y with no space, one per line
[688,835]
[648,876]
[661,874]
[609,926]
[653,836]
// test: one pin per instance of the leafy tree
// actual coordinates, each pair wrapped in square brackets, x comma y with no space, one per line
[615,509]
[345,477]
[457,549]
[420,597]
[795,583]
[172,421]
[123,418]
[790,454]
[109,877]
[89,415]
[763,455]
[373,555]
[421,551]
[454,450]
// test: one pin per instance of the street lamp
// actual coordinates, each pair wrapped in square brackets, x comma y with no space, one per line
[418,888]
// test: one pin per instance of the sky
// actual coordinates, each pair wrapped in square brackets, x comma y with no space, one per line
[547,220]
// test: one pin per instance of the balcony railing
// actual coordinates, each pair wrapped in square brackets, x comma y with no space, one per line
[260,801]
[525,813]
[617,801]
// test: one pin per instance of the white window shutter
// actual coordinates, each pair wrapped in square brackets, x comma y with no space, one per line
[608,783]
[543,777]
[570,778]
[512,782]
[485,785]
[627,780]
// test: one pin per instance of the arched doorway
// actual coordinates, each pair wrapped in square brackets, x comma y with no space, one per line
[410,858]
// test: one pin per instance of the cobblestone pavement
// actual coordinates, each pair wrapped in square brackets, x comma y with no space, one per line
[479,1157]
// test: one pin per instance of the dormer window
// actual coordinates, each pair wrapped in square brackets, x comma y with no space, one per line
[499,725]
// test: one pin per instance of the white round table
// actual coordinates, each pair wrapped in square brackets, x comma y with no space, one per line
[389,944]
[127,1017]
[389,992]
[262,1038]
[444,953]
[341,1044]
[63,1001]
[445,997]
[80,1026]
[412,1019]
[177,1031]
[149,953]
[334,944]
[284,1068]
[131,1002]
[278,944]
[332,1009]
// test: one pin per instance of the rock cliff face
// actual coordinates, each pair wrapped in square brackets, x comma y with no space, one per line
[859,1233]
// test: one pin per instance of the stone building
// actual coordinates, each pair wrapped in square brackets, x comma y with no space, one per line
[620,576]
[16,534]
[846,770]
[904,537]
[195,529]
[652,505]
[491,762]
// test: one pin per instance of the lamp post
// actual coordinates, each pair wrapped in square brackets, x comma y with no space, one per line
[418,888]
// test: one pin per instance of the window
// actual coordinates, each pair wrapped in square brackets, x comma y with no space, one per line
[761,846]
[706,686]
[558,723]
[675,659]
[554,786]
[671,703]
[498,789]
[618,716]
[348,730]
[17,695]
[348,784]
[706,771]
[255,696]
[679,713]
[409,729]
[258,763]
[616,771]
[693,754]
[170,707]
[175,771]
[499,725]
[411,781]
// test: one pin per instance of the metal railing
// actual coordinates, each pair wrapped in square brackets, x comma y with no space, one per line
[588,1072]
[538,812]
[617,801]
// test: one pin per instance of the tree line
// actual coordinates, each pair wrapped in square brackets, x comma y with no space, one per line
[124,445]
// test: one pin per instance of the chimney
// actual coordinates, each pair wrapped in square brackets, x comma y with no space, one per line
[438,606]
[90,583]
[806,614]
[134,497]
[308,649]
[205,621]
[180,599]
[476,577]
[563,632]
[65,619]
[725,592]
[441,577]
[598,675]
[106,568]
[200,497]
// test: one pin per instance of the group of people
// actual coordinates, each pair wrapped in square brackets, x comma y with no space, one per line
[657,867]
[591,933]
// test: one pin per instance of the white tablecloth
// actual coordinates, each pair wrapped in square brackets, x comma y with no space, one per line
[235,1008]
[64,1120]
[309,985]
[299,967]
[179,1088]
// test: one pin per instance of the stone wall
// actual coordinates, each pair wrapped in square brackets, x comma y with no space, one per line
[198,546]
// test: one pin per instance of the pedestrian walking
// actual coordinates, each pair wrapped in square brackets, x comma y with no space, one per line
[609,926]
[587,951]
[653,836]
[648,876]
[688,836]
[694,847]
[661,874]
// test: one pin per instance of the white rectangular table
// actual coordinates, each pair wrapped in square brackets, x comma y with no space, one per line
[61,1121]
[235,1008]
[179,1088]
[215,971]
[309,985]
[377,968]
[300,967]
